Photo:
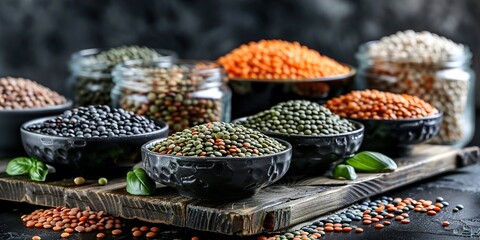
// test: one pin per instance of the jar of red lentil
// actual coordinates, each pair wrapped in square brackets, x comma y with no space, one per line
[183,94]
[446,81]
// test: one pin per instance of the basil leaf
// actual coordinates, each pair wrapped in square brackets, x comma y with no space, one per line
[139,183]
[19,166]
[38,171]
[343,171]
[372,162]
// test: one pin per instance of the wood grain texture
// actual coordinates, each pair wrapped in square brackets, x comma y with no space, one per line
[294,200]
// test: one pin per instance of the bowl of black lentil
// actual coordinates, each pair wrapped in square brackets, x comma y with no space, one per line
[90,141]
[318,137]
[217,161]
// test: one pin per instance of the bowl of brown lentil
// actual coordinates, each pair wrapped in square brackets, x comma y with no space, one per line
[90,141]
[22,100]
[394,123]
[318,137]
[217,161]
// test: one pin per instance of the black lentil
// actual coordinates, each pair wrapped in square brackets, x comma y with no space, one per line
[299,117]
[94,122]
[216,140]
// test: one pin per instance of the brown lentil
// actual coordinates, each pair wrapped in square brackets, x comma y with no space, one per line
[144,228]
[20,93]
[116,232]
[154,229]
[374,104]
[101,235]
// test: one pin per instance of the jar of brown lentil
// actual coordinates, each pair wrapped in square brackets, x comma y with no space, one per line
[183,94]
[90,81]
[446,82]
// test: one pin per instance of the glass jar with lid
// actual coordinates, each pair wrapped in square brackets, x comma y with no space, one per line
[90,81]
[447,83]
[183,94]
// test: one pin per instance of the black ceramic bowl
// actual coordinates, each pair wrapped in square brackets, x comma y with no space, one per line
[397,137]
[87,156]
[313,155]
[12,120]
[250,96]
[217,178]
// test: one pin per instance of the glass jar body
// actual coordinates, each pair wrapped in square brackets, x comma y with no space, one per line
[181,98]
[91,80]
[449,86]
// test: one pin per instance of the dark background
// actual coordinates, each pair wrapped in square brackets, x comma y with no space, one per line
[37,37]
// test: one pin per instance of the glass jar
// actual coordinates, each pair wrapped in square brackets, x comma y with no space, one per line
[448,85]
[183,94]
[90,81]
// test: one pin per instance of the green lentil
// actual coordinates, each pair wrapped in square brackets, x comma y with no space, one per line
[299,117]
[102,181]
[253,143]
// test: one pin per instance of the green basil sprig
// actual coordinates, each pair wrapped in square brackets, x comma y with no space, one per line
[139,183]
[37,170]
[372,162]
[343,171]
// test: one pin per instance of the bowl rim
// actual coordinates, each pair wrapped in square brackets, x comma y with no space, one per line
[164,128]
[210,159]
[359,128]
[352,71]
[402,120]
[67,105]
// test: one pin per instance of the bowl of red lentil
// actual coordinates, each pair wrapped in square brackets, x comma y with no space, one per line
[262,74]
[394,123]
[22,100]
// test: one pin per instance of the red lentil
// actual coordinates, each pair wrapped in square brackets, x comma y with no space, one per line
[101,235]
[137,233]
[65,235]
[150,234]
[374,104]
[358,230]
[405,221]
[431,212]
[329,229]
[445,223]
[338,229]
[277,59]
[379,226]
[367,222]
[116,232]
[36,238]
[387,223]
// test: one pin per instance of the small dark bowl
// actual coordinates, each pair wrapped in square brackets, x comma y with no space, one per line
[12,120]
[250,96]
[88,156]
[217,178]
[313,155]
[397,137]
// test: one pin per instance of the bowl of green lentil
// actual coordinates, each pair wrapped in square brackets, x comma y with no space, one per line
[318,137]
[217,161]
[90,141]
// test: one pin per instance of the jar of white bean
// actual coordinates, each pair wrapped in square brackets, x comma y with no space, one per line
[430,67]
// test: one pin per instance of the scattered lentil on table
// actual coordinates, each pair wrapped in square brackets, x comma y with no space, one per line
[374,104]
[182,95]
[95,121]
[378,211]
[218,139]
[88,86]
[298,117]
[21,93]
[425,65]
[72,220]
[277,59]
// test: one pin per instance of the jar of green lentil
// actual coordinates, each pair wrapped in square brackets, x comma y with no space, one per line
[90,81]
[430,67]
[182,94]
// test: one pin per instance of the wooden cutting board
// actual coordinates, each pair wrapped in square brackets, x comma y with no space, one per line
[294,200]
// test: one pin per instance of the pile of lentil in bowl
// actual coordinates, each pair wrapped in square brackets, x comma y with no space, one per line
[21,93]
[279,60]
[298,117]
[218,139]
[95,121]
[374,104]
